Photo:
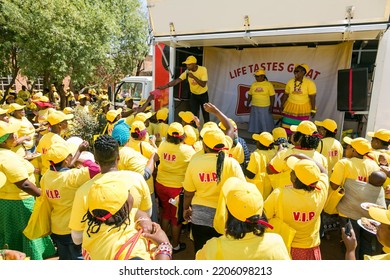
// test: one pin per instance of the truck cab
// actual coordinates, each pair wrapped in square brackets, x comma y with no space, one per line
[136,87]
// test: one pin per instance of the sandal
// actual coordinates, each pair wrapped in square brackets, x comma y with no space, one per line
[182,246]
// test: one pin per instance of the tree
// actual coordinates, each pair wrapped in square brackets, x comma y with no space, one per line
[56,38]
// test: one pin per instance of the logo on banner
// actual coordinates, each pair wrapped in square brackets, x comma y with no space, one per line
[242,100]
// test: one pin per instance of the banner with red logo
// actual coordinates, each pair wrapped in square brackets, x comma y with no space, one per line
[230,73]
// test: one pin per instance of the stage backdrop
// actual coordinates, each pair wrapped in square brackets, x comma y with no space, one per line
[231,74]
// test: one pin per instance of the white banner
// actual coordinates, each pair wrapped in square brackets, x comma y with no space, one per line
[231,74]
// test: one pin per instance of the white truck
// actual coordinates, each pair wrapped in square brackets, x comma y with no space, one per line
[136,87]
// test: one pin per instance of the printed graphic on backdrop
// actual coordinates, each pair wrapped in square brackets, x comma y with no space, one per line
[242,100]
[231,72]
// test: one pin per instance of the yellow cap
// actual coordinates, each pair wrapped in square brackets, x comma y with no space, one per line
[265,138]
[81,96]
[128,98]
[306,170]
[15,107]
[213,138]
[208,126]
[8,128]
[143,116]
[305,66]
[190,138]
[4,110]
[186,116]
[68,110]
[162,114]
[112,114]
[137,125]
[260,72]
[361,145]
[9,96]
[56,117]
[305,127]
[190,60]
[57,152]
[175,129]
[44,99]
[328,124]
[380,215]
[381,134]
[108,193]
[242,199]
[221,126]
[279,132]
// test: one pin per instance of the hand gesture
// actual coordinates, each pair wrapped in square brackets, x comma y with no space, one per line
[187,214]
[83,146]
[210,108]
[157,235]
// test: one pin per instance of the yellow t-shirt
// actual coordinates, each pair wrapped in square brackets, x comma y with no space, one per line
[331,149]
[174,160]
[44,144]
[137,188]
[237,152]
[24,94]
[353,168]
[130,159]
[258,165]
[147,149]
[301,210]
[279,164]
[26,129]
[270,246]
[150,128]
[160,131]
[201,74]
[16,169]
[201,178]
[42,114]
[300,95]
[60,188]
[261,92]
[104,244]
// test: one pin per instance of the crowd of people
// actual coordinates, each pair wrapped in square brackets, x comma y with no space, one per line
[129,193]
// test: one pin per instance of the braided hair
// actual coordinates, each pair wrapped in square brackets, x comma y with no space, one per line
[117,220]
[306,141]
[106,149]
[238,229]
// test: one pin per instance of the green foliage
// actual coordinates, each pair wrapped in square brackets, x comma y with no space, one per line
[55,38]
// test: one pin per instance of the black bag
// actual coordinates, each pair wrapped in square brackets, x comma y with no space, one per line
[180,208]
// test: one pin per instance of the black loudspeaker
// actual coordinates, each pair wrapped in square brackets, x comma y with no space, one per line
[352,89]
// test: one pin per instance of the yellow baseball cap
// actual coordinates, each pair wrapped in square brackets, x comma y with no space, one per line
[142,102]
[9,95]
[213,138]
[380,215]
[4,110]
[81,96]
[44,99]
[190,138]
[137,125]
[221,126]
[56,117]
[381,134]
[108,193]
[68,110]
[241,198]
[143,116]
[15,107]
[8,128]
[279,132]
[260,72]
[175,129]
[208,126]
[305,127]
[37,96]
[128,98]
[105,103]
[361,145]
[190,60]
[305,66]
[265,138]
[329,124]
[186,116]
[57,152]
[3,179]
[112,114]
[306,170]
[162,114]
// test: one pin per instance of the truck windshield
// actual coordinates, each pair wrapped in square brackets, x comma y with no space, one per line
[129,89]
